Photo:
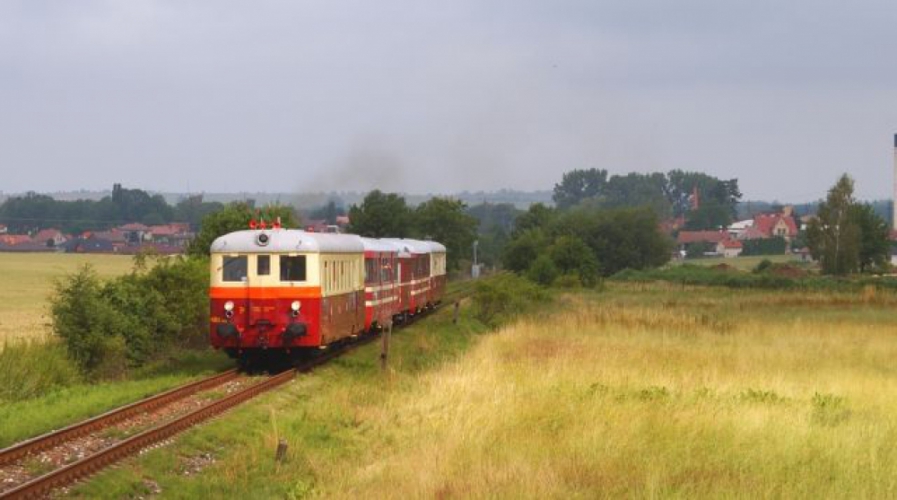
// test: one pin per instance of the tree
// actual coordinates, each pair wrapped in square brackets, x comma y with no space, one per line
[523,249]
[542,271]
[709,215]
[381,215]
[578,185]
[636,190]
[234,217]
[875,244]
[193,209]
[834,236]
[537,217]
[446,221]
[573,257]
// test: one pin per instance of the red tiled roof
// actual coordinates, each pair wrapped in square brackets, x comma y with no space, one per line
[169,229]
[731,244]
[686,237]
[46,234]
[133,226]
[767,222]
[14,239]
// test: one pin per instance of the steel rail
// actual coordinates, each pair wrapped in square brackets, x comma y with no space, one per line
[43,485]
[55,438]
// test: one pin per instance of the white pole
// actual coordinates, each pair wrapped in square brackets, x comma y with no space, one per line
[894,199]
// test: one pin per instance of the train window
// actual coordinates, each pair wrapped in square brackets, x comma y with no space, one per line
[292,268]
[370,271]
[234,268]
[263,265]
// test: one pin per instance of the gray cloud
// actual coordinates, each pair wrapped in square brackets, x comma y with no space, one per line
[237,96]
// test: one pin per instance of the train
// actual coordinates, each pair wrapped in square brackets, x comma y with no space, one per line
[288,292]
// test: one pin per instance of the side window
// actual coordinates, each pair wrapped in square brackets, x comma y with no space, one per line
[234,268]
[263,265]
[292,268]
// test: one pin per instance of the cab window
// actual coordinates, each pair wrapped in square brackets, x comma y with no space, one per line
[292,268]
[234,268]
[263,265]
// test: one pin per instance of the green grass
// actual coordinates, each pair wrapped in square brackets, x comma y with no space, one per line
[26,283]
[639,390]
[57,407]
[743,263]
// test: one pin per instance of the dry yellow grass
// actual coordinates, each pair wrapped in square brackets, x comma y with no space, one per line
[26,282]
[644,401]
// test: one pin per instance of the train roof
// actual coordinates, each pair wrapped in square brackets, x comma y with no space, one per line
[413,246]
[435,246]
[287,241]
[379,245]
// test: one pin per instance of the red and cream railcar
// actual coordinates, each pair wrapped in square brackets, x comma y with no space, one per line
[382,301]
[437,273]
[285,289]
[414,273]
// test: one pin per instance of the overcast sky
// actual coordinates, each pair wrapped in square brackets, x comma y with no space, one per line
[445,96]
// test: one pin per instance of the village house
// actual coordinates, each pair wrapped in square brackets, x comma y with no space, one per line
[49,237]
[176,234]
[688,237]
[135,232]
[729,248]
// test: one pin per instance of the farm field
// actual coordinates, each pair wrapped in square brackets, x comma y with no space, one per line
[27,282]
[638,390]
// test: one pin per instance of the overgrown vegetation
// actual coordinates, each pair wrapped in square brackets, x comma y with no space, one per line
[30,368]
[111,326]
[505,297]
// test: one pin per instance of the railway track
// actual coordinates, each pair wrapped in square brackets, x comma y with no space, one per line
[41,486]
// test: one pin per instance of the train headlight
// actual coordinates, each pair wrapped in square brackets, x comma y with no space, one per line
[296,305]
[229,306]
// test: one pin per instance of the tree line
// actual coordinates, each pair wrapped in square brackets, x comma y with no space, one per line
[33,212]
[671,194]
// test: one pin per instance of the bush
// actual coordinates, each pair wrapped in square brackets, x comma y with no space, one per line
[572,256]
[543,271]
[503,297]
[763,266]
[110,326]
[568,281]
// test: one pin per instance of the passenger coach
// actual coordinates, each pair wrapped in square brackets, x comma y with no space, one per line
[286,289]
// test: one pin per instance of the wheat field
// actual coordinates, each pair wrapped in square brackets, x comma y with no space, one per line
[26,283]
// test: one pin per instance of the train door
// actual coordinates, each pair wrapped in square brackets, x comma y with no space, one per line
[261,307]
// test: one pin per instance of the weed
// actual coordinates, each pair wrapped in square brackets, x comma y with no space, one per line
[829,409]
[759,396]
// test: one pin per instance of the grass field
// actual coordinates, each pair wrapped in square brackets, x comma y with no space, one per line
[746,263]
[640,390]
[26,282]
